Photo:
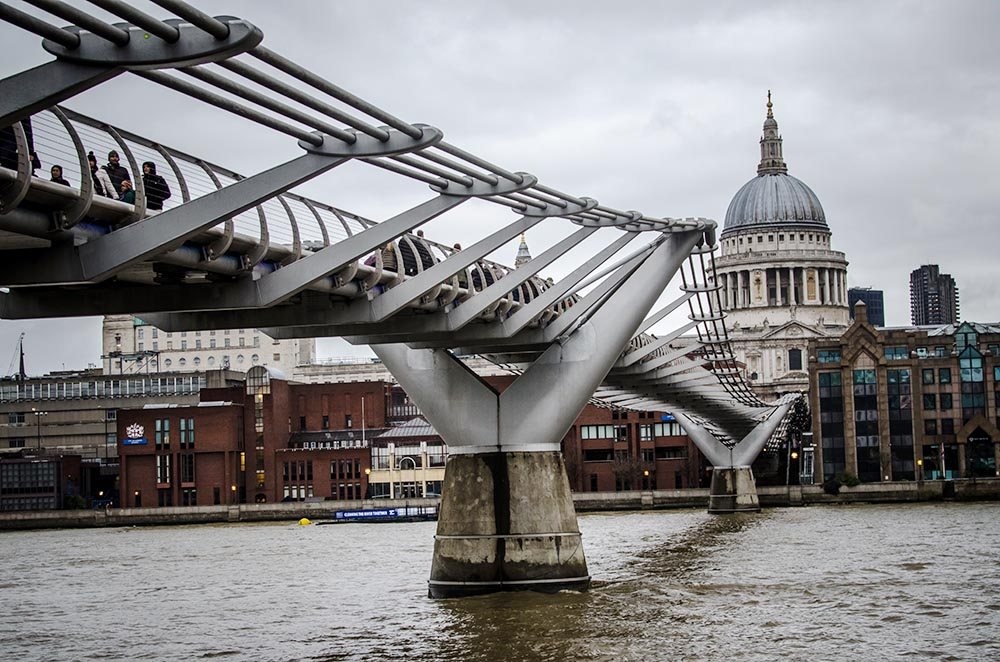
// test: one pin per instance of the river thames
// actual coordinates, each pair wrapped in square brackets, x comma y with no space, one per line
[820,583]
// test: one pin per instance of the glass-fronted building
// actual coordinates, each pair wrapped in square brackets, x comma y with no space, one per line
[913,403]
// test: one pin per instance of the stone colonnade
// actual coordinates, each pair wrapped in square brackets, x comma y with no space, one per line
[784,286]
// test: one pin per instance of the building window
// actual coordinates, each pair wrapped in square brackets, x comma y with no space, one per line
[211,342]
[155,332]
[946,401]
[15,442]
[930,426]
[927,375]
[162,433]
[302,422]
[15,418]
[141,347]
[831,407]
[866,425]
[184,344]
[896,353]
[189,496]
[326,422]
[197,344]
[944,375]
[347,421]
[276,357]
[187,433]
[187,468]
[930,401]
[795,359]
[900,424]
[163,469]
[828,356]
[226,342]
[947,426]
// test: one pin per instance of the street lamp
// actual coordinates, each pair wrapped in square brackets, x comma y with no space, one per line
[368,484]
[38,426]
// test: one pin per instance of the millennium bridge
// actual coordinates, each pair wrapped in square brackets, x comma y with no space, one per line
[228,250]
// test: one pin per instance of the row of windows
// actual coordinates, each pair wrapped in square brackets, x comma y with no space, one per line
[104,388]
[647,431]
[19,477]
[140,332]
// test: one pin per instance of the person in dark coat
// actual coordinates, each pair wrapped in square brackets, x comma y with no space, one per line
[57,175]
[116,173]
[155,186]
[8,146]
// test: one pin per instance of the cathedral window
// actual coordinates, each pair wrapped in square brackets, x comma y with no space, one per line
[795,359]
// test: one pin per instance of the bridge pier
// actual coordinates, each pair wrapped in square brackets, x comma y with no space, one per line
[733,491]
[495,533]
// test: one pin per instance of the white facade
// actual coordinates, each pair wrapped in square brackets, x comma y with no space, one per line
[130,345]
[781,282]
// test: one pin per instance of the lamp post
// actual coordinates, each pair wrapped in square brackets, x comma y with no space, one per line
[38,426]
[368,485]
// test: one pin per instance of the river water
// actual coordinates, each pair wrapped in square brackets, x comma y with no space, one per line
[819,583]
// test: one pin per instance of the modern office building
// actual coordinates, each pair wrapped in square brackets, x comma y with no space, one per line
[782,283]
[873,300]
[75,412]
[933,297]
[915,403]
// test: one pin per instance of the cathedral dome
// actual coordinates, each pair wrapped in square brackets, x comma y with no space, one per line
[773,198]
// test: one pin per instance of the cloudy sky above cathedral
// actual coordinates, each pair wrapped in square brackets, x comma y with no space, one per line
[889,111]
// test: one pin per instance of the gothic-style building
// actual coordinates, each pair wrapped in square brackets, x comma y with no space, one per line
[782,283]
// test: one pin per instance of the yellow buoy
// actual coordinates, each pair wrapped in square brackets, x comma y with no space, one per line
[304,521]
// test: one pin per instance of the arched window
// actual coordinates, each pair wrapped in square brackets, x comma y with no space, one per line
[795,359]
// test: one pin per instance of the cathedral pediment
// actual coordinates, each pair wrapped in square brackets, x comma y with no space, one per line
[792,330]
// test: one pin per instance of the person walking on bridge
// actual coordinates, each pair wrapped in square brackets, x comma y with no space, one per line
[156,187]
[116,173]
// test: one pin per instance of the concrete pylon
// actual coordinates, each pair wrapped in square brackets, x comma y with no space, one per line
[507,520]
[733,487]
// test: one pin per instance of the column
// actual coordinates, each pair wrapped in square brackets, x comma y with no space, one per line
[826,285]
[791,286]
[777,286]
[739,289]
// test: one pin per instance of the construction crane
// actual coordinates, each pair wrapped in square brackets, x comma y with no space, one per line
[18,360]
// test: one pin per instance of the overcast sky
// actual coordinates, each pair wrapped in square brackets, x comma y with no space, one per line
[890,112]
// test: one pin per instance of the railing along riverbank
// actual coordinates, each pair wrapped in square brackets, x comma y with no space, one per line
[980,489]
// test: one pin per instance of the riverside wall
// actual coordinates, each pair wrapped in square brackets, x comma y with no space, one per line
[981,489]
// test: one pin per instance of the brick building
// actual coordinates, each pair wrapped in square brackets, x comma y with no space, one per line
[916,403]
[269,440]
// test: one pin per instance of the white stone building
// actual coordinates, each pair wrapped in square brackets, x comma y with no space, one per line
[130,345]
[782,283]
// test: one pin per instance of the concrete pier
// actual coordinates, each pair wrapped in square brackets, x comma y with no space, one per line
[507,523]
[733,491]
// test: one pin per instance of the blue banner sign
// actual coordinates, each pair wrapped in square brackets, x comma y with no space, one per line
[141,441]
[363,514]
[667,417]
